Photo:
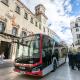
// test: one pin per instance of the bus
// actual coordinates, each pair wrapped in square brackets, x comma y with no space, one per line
[36,55]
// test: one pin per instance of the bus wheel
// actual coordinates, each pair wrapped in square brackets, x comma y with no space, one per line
[54,65]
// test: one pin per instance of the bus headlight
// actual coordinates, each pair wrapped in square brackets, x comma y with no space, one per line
[35,69]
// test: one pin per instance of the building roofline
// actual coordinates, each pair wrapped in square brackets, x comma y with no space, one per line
[25,7]
[42,14]
[30,10]
[40,5]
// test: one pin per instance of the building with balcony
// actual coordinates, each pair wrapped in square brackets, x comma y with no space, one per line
[16,21]
[75,29]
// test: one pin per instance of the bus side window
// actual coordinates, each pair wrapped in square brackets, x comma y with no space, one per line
[44,58]
[50,50]
[43,54]
[56,53]
[49,43]
[47,46]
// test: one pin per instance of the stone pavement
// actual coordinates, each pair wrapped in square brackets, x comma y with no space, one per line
[6,63]
[63,73]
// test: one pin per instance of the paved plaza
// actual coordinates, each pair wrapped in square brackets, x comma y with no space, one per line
[62,73]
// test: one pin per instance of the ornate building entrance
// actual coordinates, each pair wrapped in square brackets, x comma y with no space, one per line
[6,47]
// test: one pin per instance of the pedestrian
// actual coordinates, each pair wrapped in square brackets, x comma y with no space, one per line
[69,57]
[78,60]
[65,54]
[2,57]
[75,60]
[71,60]
[56,53]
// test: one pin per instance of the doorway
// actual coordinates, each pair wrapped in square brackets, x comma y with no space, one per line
[6,47]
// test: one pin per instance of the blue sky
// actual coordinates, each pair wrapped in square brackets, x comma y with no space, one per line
[59,13]
[75,7]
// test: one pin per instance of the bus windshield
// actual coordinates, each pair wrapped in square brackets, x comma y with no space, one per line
[29,53]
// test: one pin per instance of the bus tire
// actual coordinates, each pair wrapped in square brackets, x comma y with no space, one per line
[54,64]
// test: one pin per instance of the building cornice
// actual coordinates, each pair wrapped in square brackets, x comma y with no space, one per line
[42,14]
[29,9]
[25,7]
[2,18]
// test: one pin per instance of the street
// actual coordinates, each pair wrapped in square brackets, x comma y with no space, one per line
[37,37]
[62,73]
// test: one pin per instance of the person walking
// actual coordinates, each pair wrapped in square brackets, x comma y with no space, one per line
[2,57]
[69,57]
[71,60]
[78,60]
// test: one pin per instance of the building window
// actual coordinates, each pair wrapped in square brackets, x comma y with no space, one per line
[76,24]
[14,31]
[77,29]
[23,34]
[78,36]
[36,24]
[2,26]
[18,9]
[48,30]
[5,2]
[39,26]
[38,9]
[26,16]
[78,42]
[44,29]
[31,20]
[78,19]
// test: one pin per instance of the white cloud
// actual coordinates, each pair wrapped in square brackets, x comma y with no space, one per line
[58,14]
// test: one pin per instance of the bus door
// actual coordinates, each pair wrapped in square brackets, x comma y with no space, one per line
[47,47]
[56,53]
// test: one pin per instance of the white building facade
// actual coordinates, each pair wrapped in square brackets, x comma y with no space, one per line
[75,29]
[16,20]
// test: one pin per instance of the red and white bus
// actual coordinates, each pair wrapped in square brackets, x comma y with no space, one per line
[36,55]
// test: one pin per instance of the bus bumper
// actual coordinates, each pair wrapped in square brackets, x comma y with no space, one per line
[36,73]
